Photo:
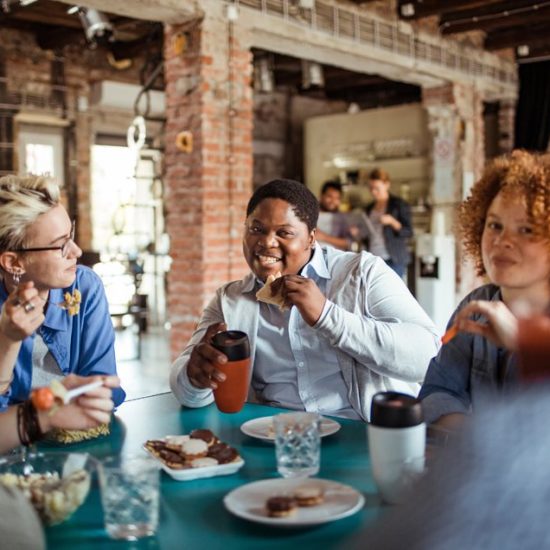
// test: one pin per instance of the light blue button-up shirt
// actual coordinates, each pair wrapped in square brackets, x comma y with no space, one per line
[293,367]
[81,344]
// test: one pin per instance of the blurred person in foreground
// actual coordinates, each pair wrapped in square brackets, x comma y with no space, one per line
[41,339]
[389,223]
[333,226]
[350,327]
[504,229]
[488,489]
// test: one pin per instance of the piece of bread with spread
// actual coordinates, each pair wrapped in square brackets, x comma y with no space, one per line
[264,294]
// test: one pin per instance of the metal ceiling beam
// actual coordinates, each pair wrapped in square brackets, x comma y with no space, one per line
[507,14]
[503,22]
[425,8]
[166,11]
[510,38]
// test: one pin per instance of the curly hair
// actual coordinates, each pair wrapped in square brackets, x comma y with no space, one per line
[518,174]
[303,201]
[22,200]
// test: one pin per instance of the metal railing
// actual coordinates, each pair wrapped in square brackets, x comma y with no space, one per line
[18,94]
[400,39]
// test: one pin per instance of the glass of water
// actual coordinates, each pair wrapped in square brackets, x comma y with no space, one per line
[297,444]
[130,496]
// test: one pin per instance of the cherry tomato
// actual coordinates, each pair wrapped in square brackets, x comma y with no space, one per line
[42,399]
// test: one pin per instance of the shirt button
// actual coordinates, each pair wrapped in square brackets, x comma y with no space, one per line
[301,364]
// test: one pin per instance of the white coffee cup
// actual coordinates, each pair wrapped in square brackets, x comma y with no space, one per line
[397,443]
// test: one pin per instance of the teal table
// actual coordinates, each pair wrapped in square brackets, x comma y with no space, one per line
[192,512]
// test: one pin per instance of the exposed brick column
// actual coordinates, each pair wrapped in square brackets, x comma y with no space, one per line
[83,180]
[208,71]
[458,156]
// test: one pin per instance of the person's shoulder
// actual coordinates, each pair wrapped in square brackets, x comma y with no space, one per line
[340,259]
[87,277]
[238,287]
[485,292]
[397,201]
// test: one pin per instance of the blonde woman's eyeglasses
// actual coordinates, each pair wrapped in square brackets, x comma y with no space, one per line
[64,247]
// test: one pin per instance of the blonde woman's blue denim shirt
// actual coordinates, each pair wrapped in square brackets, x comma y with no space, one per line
[81,344]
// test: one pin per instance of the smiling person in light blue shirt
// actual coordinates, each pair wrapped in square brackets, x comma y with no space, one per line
[352,329]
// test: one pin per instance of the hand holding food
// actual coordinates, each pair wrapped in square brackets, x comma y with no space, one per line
[84,412]
[303,293]
[500,327]
[21,313]
[45,398]
[270,294]
[201,369]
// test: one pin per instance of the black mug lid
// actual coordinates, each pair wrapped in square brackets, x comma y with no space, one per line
[232,343]
[390,409]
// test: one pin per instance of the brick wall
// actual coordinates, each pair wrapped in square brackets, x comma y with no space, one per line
[208,94]
[28,73]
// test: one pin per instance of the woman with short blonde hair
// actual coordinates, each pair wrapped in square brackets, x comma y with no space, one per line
[54,317]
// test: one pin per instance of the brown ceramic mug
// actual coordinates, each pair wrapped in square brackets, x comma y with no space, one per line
[231,394]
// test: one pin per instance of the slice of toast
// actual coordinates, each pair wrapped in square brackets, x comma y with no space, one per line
[264,294]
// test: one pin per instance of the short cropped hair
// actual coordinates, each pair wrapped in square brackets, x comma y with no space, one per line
[332,184]
[518,174]
[22,200]
[303,201]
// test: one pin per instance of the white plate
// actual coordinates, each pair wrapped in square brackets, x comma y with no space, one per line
[188,474]
[262,428]
[248,502]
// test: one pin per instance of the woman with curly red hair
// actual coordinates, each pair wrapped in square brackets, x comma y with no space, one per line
[505,231]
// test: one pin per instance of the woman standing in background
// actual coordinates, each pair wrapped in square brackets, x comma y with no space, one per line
[390,223]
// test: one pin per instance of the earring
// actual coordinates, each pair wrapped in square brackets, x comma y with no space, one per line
[16,278]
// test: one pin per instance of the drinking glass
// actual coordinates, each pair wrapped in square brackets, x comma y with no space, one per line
[130,496]
[297,444]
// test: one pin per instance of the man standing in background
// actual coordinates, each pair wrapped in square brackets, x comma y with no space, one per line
[333,227]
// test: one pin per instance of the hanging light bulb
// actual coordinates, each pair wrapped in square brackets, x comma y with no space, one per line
[312,75]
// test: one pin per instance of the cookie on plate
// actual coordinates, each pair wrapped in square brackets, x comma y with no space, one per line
[309,496]
[280,506]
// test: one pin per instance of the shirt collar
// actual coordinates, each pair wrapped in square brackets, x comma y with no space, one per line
[56,318]
[317,265]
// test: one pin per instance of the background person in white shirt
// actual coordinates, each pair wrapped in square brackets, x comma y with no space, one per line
[352,327]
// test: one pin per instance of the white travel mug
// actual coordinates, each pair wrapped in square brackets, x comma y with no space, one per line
[397,443]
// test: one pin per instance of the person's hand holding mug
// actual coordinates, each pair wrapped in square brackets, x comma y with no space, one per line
[202,369]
